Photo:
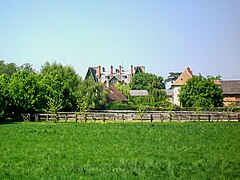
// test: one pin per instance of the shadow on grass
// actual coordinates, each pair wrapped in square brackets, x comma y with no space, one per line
[4,120]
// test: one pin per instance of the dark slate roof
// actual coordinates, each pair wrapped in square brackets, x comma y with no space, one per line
[230,86]
[138,92]
[91,72]
[114,94]
[114,77]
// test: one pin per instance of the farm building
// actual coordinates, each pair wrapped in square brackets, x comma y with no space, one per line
[231,92]
[119,75]
[182,79]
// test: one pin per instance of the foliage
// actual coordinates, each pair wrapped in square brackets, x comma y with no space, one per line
[24,91]
[153,84]
[141,111]
[218,77]
[60,84]
[119,105]
[124,89]
[8,69]
[146,81]
[201,92]
[4,95]
[54,104]
[172,76]
[91,94]
[27,67]
[120,151]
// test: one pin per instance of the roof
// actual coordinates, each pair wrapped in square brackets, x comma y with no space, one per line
[91,72]
[112,78]
[217,82]
[138,92]
[182,79]
[138,70]
[114,94]
[230,86]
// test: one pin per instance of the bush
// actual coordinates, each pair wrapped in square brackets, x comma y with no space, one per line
[119,105]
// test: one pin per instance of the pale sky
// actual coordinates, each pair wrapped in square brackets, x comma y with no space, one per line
[163,35]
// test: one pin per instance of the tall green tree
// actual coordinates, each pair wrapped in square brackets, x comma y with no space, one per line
[172,76]
[60,84]
[24,91]
[4,95]
[146,81]
[201,92]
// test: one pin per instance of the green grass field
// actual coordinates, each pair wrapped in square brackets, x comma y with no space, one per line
[120,150]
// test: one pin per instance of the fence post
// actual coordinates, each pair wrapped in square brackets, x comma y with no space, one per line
[179,117]
[66,118]
[76,116]
[170,117]
[238,117]
[47,117]
[123,117]
[94,119]
[209,117]
[36,117]
[161,117]
[151,118]
[229,117]
[104,118]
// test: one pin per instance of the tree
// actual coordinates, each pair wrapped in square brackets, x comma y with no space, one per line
[4,96]
[201,92]
[124,89]
[146,81]
[218,77]
[24,91]
[8,69]
[153,84]
[91,93]
[27,67]
[54,91]
[62,82]
[172,76]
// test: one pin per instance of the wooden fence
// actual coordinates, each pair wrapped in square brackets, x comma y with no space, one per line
[134,116]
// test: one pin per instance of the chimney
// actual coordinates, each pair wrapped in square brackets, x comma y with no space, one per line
[120,73]
[98,71]
[131,70]
[103,69]
[111,69]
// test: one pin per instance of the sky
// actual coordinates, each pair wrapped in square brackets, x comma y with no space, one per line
[162,35]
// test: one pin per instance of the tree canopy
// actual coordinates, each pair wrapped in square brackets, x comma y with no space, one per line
[8,68]
[153,84]
[146,81]
[172,76]
[90,93]
[201,92]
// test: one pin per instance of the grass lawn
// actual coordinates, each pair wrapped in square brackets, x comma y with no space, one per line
[120,150]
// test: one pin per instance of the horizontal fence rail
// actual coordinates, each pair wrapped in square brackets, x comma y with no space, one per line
[134,116]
